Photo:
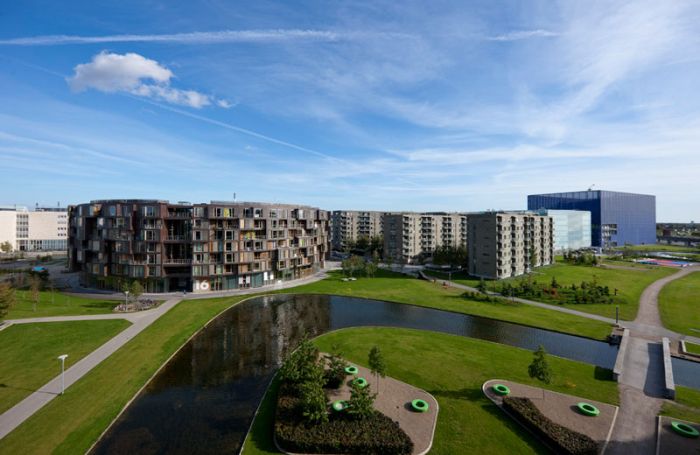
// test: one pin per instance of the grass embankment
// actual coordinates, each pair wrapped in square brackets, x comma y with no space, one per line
[686,406]
[29,353]
[57,305]
[396,287]
[692,348]
[72,423]
[453,369]
[629,283]
[679,305]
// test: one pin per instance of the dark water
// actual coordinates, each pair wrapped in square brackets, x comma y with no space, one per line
[204,399]
[686,372]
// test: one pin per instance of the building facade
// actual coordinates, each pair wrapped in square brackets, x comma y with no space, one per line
[195,247]
[44,229]
[572,228]
[348,226]
[616,218]
[507,244]
[410,236]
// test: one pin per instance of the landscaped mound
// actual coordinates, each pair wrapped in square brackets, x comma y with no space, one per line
[376,434]
[561,439]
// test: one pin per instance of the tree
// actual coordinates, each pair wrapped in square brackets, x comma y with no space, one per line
[136,290]
[313,398]
[534,261]
[7,298]
[336,368]
[301,364]
[481,287]
[361,402]
[370,269]
[6,247]
[539,368]
[554,284]
[376,364]
[34,287]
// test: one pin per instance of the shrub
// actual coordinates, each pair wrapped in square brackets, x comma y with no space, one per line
[335,374]
[561,439]
[377,434]
[302,364]
[361,402]
[539,368]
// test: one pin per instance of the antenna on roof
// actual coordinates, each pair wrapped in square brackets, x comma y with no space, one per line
[234,197]
[590,188]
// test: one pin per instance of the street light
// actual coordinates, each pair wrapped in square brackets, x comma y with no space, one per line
[62,358]
[126,299]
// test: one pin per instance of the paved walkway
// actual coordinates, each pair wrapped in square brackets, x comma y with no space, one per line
[13,417]
[641,384]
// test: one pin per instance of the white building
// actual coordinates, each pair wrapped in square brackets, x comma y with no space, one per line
[572,228]
[40,230]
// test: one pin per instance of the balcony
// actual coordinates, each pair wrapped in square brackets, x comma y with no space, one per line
[176,261]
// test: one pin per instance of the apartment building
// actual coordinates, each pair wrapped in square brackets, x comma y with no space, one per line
[410,236]
[507,244]
[195,247]
[347,226]
[44,229]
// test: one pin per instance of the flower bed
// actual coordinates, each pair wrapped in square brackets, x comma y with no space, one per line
[377,434]
[561,439]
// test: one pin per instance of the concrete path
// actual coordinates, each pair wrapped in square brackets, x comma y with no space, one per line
[13,417]
[641,384]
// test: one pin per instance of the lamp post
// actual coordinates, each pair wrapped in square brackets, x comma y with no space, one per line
[126,300]
[62,358]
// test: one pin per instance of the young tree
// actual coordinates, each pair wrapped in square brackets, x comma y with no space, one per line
[313,398]
[7,299]
[376,364]
[301,364]
[357,265]
[136,290]
[336,368]
[370,269]
[481,287]
[34,287]
[361,402]
[554,284]
[539,368]
[534,261]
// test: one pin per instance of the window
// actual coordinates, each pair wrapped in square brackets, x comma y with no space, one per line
[112,210]
[199,212]
[149,210]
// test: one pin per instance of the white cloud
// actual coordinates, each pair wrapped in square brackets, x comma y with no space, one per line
[132,73]
[523,34]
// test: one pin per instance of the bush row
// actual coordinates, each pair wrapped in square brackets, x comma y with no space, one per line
[561,439]
[377,434]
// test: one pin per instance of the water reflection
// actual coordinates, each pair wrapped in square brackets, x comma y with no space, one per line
[204,399]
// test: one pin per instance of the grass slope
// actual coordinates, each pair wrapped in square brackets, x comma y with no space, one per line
[686,406]
[29,351]
[59,305]
[453,369]
[400,288]
[679,305]
[70,425]
[629,283]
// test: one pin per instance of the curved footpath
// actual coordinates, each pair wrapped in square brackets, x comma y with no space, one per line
[14,416]
[641,384]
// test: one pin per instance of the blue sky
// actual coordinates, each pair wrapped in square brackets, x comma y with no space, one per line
[377,105]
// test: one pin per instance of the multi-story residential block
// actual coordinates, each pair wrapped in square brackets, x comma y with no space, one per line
[348,226]
[197,247]
[572,228]
[44,229]
[507,244]
[616,218]
[410,236]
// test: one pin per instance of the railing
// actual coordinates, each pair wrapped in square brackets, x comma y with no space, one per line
[176,237]
[176,261]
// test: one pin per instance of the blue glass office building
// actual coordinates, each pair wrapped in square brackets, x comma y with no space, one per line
[616,218]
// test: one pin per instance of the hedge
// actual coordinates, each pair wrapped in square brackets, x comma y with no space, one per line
[561,439]
[377,434]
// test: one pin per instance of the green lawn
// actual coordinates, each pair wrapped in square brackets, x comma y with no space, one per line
[453,369]
[70,425]
[692,348]
[662,247]
[629,283]
[679,305]
[396,287]
[686,406]
[29,351]
[58,305]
